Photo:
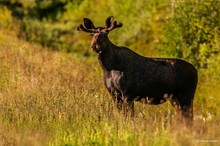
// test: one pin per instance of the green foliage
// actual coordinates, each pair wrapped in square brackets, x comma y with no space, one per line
[56,37]
[138,18]
[47,9]
[193,31]
[15,6]
[6,18]
[57,28]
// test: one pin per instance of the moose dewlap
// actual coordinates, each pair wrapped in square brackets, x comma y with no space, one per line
[131,77]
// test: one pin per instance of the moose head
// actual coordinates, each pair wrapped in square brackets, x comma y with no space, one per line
[100,34]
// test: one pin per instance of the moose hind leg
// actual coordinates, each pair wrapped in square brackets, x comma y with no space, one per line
[184,110]
[187,113]
[186,103]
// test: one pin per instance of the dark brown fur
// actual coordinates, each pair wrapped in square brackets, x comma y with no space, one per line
[131,77]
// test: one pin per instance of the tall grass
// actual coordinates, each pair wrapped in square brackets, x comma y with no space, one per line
[54,98]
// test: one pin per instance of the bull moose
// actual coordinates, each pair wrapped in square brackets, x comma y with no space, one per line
[131,77]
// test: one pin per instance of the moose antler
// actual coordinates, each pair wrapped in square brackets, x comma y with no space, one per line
[89,27]
[111,24]
[88,23]
[82,28]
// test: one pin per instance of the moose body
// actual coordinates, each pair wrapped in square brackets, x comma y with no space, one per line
[131,77]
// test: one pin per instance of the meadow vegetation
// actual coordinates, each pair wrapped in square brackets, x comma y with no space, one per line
[51,87]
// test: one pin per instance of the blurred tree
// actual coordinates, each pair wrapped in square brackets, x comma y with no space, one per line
[15,6]
[47,9]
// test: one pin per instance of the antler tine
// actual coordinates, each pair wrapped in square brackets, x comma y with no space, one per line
[82,28]
[114,25]
[108,21]
[88,26]
[88,23]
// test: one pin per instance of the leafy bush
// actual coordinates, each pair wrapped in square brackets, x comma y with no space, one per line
[6,18]
[193,31]
[44,33]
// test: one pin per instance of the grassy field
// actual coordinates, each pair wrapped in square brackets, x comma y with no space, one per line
[54,98]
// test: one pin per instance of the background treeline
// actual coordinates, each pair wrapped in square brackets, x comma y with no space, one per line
[188,29]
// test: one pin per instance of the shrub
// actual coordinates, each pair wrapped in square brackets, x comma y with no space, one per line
[6,19]
[193,31]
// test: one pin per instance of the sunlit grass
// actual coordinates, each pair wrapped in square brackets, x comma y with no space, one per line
[54,98]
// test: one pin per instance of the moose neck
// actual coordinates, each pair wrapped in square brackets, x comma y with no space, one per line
[107,56]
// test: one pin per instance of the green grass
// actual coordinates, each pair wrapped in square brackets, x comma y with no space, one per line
[55,98]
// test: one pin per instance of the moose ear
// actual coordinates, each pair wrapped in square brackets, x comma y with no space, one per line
[88,23]
[108,21]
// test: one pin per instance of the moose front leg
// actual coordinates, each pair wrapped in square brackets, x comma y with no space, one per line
[128,106]
[117,97]
[123,103]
